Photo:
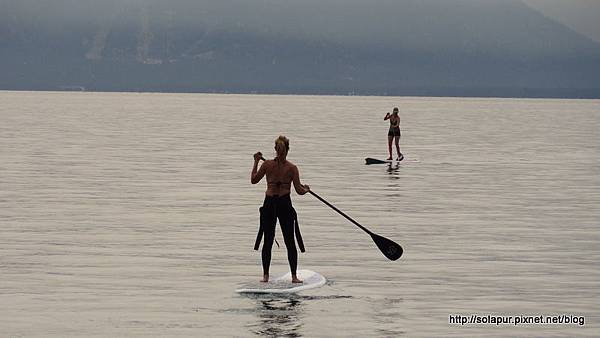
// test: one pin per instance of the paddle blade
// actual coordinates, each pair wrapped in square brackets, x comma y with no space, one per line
[390,249]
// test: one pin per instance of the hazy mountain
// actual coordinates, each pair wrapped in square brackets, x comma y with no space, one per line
[581,15]
[399,47]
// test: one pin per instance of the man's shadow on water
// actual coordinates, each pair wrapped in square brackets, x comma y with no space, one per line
[278,317]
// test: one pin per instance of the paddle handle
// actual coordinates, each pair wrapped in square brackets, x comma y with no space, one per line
[340,212]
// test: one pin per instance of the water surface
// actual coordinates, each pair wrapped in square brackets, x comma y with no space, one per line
[132,215]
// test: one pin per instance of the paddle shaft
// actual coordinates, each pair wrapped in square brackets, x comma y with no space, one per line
[340,212]
[390,249]
[336,209]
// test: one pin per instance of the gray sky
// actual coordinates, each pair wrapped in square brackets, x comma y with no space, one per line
[330,45]
[297,16]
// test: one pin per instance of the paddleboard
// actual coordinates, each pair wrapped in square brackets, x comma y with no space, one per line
[283,283]
[370,160]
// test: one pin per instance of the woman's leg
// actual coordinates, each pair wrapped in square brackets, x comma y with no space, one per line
[287,229]
[397,147]
[390,138]
[268,221]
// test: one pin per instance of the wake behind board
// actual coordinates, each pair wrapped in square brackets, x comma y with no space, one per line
[283,283]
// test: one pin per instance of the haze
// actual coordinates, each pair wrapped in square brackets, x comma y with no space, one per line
[323,46]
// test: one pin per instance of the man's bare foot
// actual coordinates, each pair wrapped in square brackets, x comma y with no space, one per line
[296,280]
[265,279]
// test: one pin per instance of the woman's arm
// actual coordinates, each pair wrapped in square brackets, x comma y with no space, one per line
[256,176]
[387,116]
[301,189]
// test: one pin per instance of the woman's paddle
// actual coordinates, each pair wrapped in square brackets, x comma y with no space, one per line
[390,249]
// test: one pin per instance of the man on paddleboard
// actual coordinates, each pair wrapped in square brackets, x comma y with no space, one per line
[394,132]
[280,173]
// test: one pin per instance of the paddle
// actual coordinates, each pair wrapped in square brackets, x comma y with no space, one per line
[390,249]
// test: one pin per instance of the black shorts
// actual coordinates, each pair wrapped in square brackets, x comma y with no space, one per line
[394,132]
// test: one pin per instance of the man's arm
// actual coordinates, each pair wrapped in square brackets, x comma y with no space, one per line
[257,175]
[300,188]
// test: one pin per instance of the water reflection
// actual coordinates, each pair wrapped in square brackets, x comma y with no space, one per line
[278,317]
[393,185]
[392,170]
[388,315]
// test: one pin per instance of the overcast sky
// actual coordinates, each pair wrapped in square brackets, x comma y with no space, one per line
[580,15]
[330,45]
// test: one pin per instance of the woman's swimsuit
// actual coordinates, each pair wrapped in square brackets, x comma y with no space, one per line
[394,128]
[279,207]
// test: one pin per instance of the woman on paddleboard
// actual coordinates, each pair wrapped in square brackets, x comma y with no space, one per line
[281,174]
[394,132]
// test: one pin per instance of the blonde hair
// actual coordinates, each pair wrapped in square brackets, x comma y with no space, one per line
[282,146]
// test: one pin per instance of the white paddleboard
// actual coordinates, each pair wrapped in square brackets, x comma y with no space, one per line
[283,283]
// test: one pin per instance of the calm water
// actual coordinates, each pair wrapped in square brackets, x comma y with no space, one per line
[127,215]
